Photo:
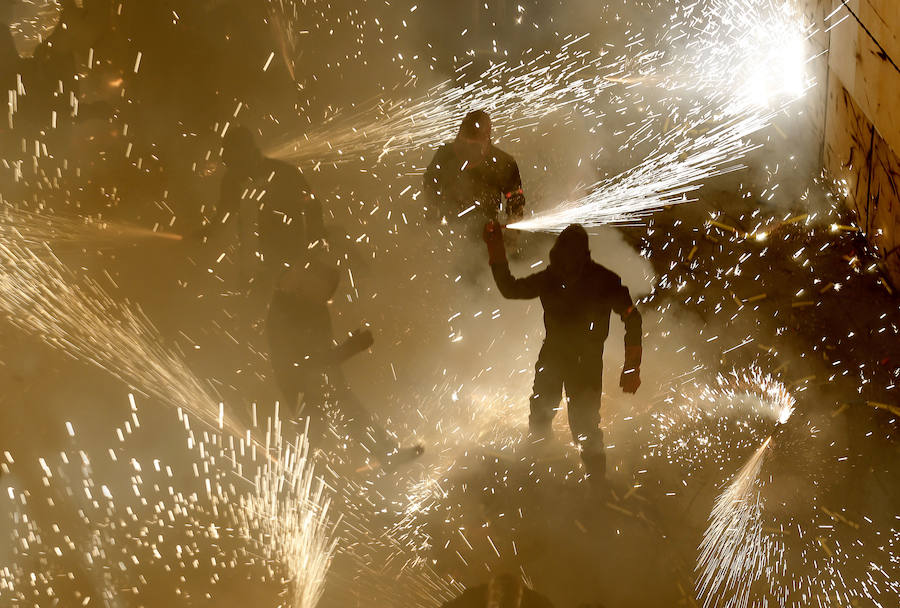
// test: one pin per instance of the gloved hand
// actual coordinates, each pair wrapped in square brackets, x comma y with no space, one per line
[493,236]
[630,380]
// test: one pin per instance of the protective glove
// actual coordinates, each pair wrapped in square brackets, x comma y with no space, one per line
[630,380]
[493,236]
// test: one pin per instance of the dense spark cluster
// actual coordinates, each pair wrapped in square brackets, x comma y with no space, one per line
[735,551]
[139,509]
[767,396]
[77,317]
[517,96]
[288,512]
[702,421]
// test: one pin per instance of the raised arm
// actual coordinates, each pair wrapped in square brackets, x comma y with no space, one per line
[509,286]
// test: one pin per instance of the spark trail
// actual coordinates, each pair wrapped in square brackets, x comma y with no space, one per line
[283,17]
[33,228]
[735,551]
[516,96]
[40,296]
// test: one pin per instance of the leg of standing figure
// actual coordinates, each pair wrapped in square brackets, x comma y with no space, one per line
[584,388]
[546,393]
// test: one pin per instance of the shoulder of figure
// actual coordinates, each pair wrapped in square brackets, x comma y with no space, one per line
[283,170]
[605,275]
[445,149]
[499,156]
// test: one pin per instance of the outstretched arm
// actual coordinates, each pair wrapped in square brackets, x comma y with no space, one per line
[509,286]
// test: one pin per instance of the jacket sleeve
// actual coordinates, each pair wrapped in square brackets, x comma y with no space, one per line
[510,287]
[629,314]
[513,194]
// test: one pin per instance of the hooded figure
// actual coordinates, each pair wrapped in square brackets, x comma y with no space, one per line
[470,180]
[578,296]
[288,216]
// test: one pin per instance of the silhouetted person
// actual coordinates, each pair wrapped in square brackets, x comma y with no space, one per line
[503,591]
[578,295]
[470,180]
[307,360]
[288,216]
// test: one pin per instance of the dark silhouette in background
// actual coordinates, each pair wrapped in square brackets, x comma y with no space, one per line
[578,296]
[471,171]
[288,217]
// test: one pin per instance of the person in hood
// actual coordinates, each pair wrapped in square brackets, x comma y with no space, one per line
[578,296]
[470,179]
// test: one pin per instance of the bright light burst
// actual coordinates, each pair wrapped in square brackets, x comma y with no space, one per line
[740,63]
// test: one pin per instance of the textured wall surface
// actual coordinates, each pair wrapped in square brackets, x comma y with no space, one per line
[862,119]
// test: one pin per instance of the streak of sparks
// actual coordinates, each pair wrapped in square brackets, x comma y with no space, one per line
[745,65]
[35,228]
[516,96]
[735,551]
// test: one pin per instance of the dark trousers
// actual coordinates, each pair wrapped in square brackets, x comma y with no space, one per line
[582,377]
